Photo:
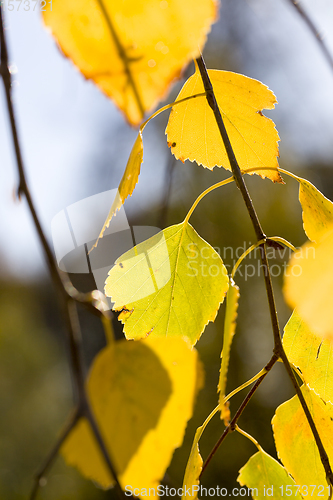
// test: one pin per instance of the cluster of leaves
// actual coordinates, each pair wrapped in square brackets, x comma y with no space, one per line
[143,392]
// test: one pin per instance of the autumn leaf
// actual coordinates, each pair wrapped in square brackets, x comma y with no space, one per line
[267,478]
[142,395]
[229,331]
[295,443]
[131,50]
[192,132]
[308,285]
[317,210]
[312,356]
[127,183]
[171,285]
[193,469]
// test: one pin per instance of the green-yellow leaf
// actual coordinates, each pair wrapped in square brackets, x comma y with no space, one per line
[308,285]
[131,50]
[194,463]
[142,395]
[295,443]
[311,355]
[229,331]
[171,285]
[267,478]
[127,183]
[193,469]
[192,132]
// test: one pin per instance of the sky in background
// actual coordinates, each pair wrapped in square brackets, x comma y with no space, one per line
[68,128]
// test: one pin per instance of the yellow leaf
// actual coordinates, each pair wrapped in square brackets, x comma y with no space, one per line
[193,469]
[317,211]
[194,463]
[295,443]
[192,132]
[127,183]
[142,395]
[131,50]
[308,285]
[171,285]
[229,331]
[312,356]
[265,477]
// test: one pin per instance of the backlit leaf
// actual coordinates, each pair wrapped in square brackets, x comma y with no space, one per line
[171,285]
[192,132]
[295,443]
[132,50]
[267,478]
[142,395]
[193,469]
[308,285]
[127,183]
[229,331]
[317,210]
[311,355]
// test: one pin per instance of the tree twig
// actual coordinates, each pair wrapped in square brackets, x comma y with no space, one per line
[278,347]
[308,21]
[232,425]
[68,301]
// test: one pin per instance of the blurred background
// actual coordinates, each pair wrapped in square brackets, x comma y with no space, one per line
[75,144]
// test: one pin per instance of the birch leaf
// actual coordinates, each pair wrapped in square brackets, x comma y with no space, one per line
[131,50]
[295,443]
[317,211]
[192,132]
[171,285]
[265,476]
[312,356]
[127,183]
[142,395]
[229,332]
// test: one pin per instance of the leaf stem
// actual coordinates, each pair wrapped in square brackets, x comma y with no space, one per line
[203,194]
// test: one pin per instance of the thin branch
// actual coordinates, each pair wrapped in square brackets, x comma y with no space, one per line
[232,425]
[308,21]
[278,347]
[69,426]
[68,302]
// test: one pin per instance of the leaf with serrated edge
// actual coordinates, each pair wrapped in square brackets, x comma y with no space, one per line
[192,132]
[132,50]
[295,443]
[127,183]
[193,469]
[229,332]
[171,285]
[317,211]
[311,355]
[142,394]
[266,478]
